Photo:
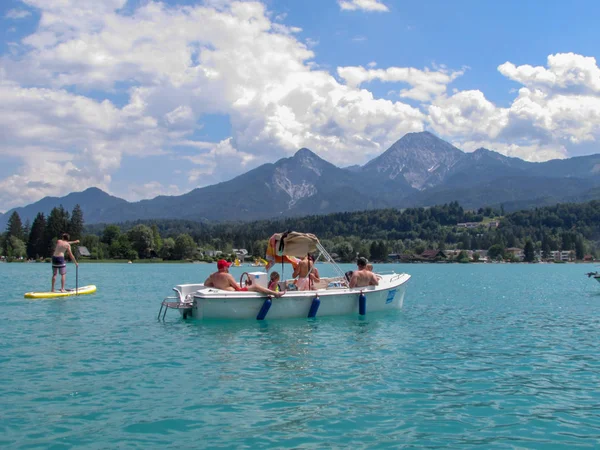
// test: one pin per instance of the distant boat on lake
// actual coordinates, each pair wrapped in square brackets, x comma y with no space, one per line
[596,276]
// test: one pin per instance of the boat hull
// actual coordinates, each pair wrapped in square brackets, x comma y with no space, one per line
[210,303]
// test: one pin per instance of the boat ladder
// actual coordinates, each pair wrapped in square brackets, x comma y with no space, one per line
[181,303]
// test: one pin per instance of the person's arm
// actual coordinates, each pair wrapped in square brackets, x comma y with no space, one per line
[374,281]
[315,275]
[209,282]
[353,280]
[70,253]
[234,284]
[296,271]
[74,242]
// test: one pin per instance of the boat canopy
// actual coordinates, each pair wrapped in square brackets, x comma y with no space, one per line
[286,247]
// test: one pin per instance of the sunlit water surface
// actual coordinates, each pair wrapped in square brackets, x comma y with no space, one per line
[489,356]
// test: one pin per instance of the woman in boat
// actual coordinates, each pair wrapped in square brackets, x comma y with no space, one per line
[307,273]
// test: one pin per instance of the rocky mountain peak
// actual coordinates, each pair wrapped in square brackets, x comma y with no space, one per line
[421,159]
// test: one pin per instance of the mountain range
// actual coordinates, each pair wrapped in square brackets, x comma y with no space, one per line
[418,170]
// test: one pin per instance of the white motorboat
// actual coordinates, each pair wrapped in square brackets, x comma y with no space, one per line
[331,296]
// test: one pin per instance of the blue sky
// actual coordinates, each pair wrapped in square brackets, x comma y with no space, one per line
[141,98]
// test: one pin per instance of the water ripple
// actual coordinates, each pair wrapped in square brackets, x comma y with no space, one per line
[481,356]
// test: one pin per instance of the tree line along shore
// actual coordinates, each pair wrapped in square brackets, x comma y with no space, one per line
[439,233]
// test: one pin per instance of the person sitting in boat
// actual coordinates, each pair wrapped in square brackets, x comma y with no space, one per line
[222,279]
[250,286]
[274,283]
[362,276]
[63,245]
[307,273]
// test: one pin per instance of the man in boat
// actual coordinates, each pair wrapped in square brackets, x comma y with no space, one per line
[362,276]
[63,245]
[222,279]
[307,273]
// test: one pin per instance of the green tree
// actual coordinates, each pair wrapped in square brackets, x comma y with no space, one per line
[465,241]
[36,244]
[185,247]
[111,233]
[546,247]
[26,230]
[14,227]
[528,252]
[166,252]
[120,248]
[93,244]
[383,251]
[57,223]
[142,240]
[462,257]
[496,251]
[579,248]
[374,250]
[345,251]
[15,247]
[157,239]
[76,223]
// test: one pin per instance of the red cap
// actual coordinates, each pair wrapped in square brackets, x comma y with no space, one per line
[222,264]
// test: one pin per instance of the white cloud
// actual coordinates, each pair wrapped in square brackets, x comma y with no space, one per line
[260,75]
[567,73]
[426,84]
[533,152]
[311,43]
[560,103]
[215,161]
[238,63]
[364,5]
[17,14]
[66,142]
[557,113]
[153,189]
[467,113]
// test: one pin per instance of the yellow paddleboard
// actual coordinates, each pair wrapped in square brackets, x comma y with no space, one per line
[83,290]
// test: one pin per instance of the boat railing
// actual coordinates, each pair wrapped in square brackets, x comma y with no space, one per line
[338,270]
[185,303]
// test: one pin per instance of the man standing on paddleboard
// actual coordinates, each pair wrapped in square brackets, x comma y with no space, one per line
[58,260]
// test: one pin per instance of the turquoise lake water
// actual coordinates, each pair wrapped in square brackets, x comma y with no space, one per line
[488,356]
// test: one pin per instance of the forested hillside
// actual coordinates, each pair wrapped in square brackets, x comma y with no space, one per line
[375,234]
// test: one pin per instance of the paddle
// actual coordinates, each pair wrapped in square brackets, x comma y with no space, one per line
[77,280]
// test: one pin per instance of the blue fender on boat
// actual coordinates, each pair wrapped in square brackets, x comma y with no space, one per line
[362,304]
[264,309]
[314,307]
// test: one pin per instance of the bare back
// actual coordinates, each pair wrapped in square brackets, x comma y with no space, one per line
[221,280]
[362,278]
[302,269]
[61,248]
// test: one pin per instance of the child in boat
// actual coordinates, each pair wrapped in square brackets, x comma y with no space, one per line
[274,283]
